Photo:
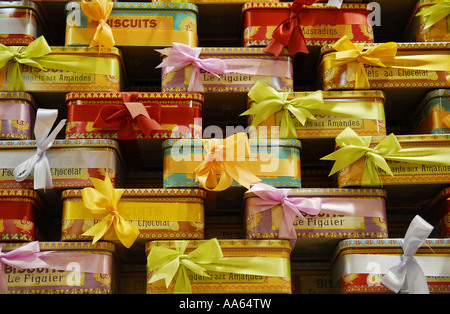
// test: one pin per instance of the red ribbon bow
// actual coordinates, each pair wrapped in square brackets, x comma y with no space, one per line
[123,118]
[288,33]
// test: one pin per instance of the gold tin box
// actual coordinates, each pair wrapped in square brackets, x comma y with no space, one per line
[244,277]
[72,268]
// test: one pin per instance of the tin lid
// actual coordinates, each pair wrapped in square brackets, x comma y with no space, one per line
[143,96]
[319,6]
[417,140]
[388,246]
[147,6]
[332,192]
[18,96]
[246,51]
[98,247]
[60,143]
[233,246]
[352,95]
[254,143]
[19,4]
[19,194]
[198,194]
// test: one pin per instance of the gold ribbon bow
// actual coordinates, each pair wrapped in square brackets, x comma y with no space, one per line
[435,13]
[353,147]
[269,102]
[353,55]
[103,199]
[166,263]
[99,11]
[224,157]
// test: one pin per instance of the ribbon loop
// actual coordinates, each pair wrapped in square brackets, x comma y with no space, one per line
[103,199]
[99,11]
[39,163]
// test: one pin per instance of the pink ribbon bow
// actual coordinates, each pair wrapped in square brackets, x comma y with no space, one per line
[270,196]
[123,118]
[182,55]
[24,257]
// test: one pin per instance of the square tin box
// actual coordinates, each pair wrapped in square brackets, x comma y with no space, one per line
[159,214]
[377,256]
[22,215]
[440,31]
[318,236]
[226,282]
[137,24]
[321,24]
[21,22]
[433,114]
[17,115]
[317,136]
[72,162]
[412,183]
[96,266]
[48,81]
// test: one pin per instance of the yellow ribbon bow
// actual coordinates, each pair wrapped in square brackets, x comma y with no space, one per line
[352,147]
[353,55]
[99,11]
[103,199]
[269,102]
[435,13]
[224,157]
[166,263]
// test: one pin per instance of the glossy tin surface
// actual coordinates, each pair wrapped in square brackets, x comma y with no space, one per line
[159,214]
[416,30]
[227,282]
[353,254]
[320,24]
[433,114]
[17,114]
[21,22]
[97,266]
[137,24]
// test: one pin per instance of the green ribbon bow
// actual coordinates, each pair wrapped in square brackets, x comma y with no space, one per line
[168,263]
[37,55]
[353,147]
[269,102]
[435,13]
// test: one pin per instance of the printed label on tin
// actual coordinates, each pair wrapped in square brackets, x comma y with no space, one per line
[63,173]
[326,221]
[32,75]
[378,73]
[399,168]
[141,22]
[219,277]
[42,277]
[329,123]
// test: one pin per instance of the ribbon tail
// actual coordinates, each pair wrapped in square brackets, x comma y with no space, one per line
[182,283]
[415,279]
[394,279]
[126,232]
[16,82]
[98,230]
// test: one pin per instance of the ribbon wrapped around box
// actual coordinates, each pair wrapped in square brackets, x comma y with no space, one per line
[301,24]
[17,114]
[214,70]
[301,215]
[218,266]
[433,114]
[346,65]
[41,68]
[414,265]
[58,268]
[107,23]
[129,215]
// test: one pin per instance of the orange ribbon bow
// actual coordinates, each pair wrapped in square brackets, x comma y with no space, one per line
[99,11]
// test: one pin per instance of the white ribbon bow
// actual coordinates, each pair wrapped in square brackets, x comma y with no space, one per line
[45,118]
[335,3]
[408,275]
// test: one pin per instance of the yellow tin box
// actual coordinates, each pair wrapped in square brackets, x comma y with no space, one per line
[66,268]
[134,23]
[427,23]
[231,266]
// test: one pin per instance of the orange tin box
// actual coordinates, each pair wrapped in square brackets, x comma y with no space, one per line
[17,115]
[231,266]
[65,268]
[22,214]
[21,22]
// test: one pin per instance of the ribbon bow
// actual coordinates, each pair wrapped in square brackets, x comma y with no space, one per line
[269,102]
[335,3]
[435,13]
[408,275]
[293,207]
[123,118]
[103,199]
[289,33]
[24,257]
[224,157]
[167,263]
[27,56]
[99,11]
[45,118]
[382,55]
[182,55]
